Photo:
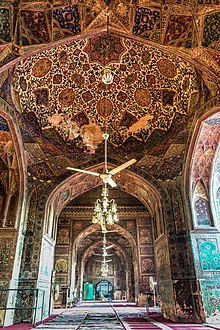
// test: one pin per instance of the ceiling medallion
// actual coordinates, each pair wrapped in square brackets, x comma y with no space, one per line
[107,77]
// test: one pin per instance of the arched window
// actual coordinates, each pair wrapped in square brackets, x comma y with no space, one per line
[202,212]
[201,206]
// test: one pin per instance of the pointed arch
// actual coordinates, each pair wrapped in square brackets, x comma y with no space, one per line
[202,215]
[200,159]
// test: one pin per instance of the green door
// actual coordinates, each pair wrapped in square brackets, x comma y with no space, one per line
[88,291]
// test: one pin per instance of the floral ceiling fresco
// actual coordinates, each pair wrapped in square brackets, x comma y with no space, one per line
[65,91]
[60,95]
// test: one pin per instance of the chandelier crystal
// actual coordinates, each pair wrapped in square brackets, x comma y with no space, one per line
[105,211]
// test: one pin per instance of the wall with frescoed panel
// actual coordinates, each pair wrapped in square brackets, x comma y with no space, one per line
[63,257]
[205,235]
[9,198]
[206,248]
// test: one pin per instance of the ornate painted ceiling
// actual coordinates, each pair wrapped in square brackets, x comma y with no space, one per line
[165,60]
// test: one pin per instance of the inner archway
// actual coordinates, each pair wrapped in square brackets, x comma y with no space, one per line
[79,247]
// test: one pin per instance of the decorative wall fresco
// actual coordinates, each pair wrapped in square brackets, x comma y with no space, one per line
[9,176]
[206,255]
[63,255]
[178,212]
[211,290]
[180,31]
[32,213]
[209,254]
[8,238]
[147,23]
[216,187]
[185,292]
[66,21]
[146,253]
[211,23]
[5,29]
[204,151]
[204,154]
[90,244]
[4,139]
[34,29]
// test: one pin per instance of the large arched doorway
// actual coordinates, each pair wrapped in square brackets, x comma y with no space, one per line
[79,244]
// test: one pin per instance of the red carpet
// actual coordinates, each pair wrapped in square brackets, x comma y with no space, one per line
[28,326]
[181,326]
[141,323]
[136,323]
[22,326]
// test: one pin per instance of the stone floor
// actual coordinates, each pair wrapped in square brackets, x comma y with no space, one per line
[115,316]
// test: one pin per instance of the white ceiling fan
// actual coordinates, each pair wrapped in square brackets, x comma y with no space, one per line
[106,176]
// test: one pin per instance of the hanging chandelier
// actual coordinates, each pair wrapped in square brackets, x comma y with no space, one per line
[105,211]
[104,261]
[104,270]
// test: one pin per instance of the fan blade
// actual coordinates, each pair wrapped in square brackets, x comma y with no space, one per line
[111,182]
[103,262]
[83,171]
[121,167]
[108,247]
